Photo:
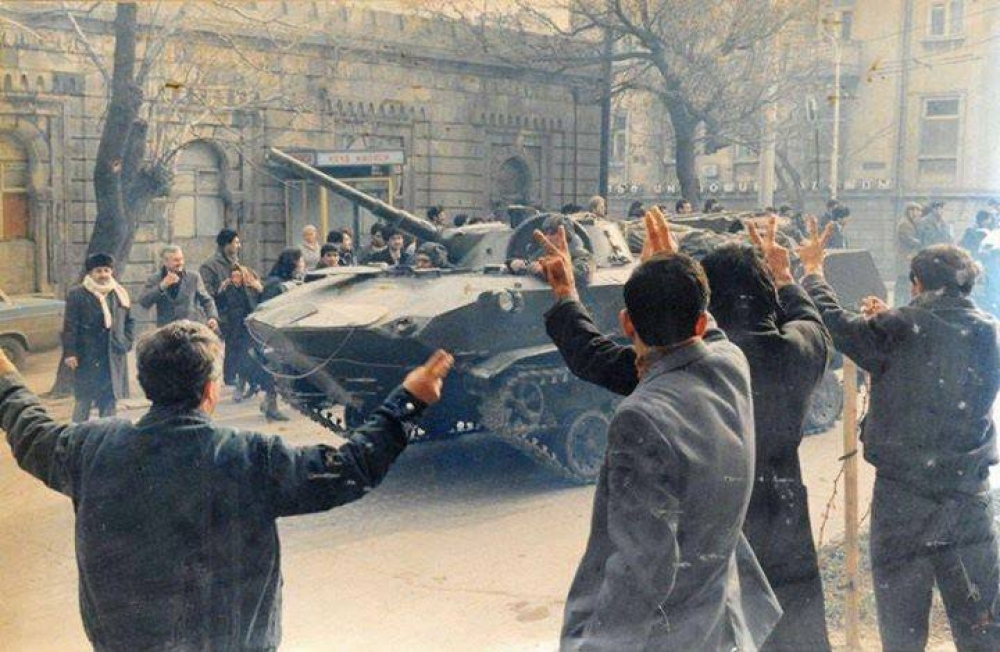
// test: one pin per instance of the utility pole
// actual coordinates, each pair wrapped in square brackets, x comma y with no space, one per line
[836,97]
[607,81]
[766,176]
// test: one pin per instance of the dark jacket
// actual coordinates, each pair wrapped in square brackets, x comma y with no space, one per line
[275,286]
[214,271]
[933,230]
[787,362]
[667,566]
[100,352]
[182,301]
[385,256]
[176,540]
[234,304]
[935,372]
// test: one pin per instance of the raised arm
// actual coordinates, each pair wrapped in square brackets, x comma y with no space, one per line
[42,447]
[301,480]
[151,292]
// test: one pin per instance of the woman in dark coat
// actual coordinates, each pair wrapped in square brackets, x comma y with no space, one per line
[237,297]
[98,332]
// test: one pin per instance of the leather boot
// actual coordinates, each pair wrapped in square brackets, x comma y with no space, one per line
[270,409]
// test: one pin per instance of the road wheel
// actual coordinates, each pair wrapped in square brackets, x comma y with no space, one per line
[14,350]
[580,446]
[827,404]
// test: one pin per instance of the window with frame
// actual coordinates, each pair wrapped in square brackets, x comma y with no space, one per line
[14,215]
[199,210]
[946,19]
[940,132]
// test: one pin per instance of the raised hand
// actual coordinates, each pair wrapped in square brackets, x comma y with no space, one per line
[659,239]
[872,305]
[557,264]
[778,257]
[426,381]
[813,250]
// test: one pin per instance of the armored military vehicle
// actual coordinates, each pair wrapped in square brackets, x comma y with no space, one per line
[340,342]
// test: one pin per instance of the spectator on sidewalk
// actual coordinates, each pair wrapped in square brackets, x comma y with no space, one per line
[178,293]
[310,246]
[97,336]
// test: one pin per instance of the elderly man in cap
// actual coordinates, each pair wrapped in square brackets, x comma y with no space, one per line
[97,336]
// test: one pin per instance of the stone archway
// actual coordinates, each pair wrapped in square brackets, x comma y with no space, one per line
[513,182]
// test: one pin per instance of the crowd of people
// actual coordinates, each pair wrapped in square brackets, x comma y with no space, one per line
[700,537]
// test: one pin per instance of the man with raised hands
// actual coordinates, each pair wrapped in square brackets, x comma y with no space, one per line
[929,433]
[176,536]
[666,566]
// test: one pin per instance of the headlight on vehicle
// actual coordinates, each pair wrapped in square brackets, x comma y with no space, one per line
[509,300]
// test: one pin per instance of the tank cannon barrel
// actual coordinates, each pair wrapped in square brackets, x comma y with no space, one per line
[415,226]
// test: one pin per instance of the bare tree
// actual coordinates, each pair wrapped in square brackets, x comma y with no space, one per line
[712,65]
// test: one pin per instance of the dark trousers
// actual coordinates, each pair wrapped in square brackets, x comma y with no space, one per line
[236,363]
[104,402]
[778,529]
[920,539]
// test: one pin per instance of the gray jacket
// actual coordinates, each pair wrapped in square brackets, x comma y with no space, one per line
[187,300]
[667,566]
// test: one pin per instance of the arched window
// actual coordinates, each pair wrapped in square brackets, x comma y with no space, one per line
[14,218]
[199,210]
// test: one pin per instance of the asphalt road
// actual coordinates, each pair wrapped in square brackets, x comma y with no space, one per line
[468,545]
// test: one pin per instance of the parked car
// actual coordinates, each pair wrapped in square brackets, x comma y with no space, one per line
[29,324]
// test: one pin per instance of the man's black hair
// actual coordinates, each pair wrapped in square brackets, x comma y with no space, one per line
[570,209]
[743,290]
[665,296]
[176,362]
[335,237]
[328,248]
[984,217]
[460,219]
[389,231]
[945,267]
[434,212]
[840,212]
[225,236]
[679,205]
[378,227]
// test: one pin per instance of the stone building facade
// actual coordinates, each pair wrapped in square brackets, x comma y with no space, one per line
[399,104]
[920,121]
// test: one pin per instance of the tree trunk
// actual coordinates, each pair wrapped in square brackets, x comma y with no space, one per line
[685,153]
[118,175]
[791,180]
[119,180]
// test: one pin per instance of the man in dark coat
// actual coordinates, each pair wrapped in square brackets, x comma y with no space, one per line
[97,336]
[929,433]
[176,536]
[788,356]
[178,293]
[216,269]
[667,566]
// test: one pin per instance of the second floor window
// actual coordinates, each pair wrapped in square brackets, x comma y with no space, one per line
[947,19]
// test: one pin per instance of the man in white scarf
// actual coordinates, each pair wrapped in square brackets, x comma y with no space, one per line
[97,335]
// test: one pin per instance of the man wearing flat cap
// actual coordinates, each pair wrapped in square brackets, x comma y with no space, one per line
[97,336]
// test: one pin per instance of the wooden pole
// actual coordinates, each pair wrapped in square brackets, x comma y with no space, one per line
[852,609]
